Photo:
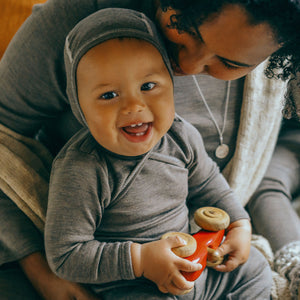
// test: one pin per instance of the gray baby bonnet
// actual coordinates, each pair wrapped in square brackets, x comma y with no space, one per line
[101,26]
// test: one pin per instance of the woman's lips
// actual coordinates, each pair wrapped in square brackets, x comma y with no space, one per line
[138,132]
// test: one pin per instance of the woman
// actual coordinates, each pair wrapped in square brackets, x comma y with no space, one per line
[224,39]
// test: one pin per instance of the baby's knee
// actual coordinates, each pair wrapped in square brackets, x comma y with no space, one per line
[258,267]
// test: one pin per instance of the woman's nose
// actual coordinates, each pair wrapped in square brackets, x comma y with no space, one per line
[133,104]
[196,62]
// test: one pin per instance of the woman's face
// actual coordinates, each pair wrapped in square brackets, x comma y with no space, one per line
[226,47]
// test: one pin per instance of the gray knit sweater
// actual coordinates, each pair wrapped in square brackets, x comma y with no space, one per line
[100,202]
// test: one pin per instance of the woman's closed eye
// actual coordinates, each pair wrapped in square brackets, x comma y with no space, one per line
[228,66]
[148,86]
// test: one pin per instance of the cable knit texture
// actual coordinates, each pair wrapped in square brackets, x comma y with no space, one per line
[262,104]
[287,263]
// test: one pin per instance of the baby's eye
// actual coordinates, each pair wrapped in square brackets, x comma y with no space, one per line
[148,86]
[108,95]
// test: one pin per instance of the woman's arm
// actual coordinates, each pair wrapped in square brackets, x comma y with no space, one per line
[20,240]
[18,235]
[47,284]
[32,85]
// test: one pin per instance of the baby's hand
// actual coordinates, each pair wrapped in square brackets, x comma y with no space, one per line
[236,246]
[157,262]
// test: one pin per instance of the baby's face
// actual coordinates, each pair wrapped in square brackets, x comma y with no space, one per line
[126,94]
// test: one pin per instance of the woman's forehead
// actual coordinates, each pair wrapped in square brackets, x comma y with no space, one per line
[232,36]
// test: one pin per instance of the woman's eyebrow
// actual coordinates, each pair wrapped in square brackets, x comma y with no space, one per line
[233,62]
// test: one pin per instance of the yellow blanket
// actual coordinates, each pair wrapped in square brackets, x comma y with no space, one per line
[24,173]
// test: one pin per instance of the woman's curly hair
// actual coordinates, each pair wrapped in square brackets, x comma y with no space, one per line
[282,15]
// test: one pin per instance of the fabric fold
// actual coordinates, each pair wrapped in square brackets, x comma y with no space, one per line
[24,174]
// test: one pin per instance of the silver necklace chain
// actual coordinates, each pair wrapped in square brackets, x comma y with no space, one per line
[225,149]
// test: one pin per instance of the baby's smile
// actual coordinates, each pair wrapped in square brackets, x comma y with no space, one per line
[137,132]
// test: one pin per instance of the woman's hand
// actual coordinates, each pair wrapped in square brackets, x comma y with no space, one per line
[65,290]
[48,285]
[236,247]
[57,288]
[157,262]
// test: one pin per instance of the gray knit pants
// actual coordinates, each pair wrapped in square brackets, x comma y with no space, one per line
[251,281]
[270,208]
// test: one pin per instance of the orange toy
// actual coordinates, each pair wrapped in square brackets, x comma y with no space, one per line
[200,247]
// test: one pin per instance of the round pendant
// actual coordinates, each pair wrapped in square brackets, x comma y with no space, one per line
[222,151]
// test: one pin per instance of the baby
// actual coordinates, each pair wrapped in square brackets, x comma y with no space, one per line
[134,172]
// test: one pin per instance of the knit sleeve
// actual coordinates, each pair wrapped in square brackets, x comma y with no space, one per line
[77,201]
[23,238]
[207,186]
[32,85]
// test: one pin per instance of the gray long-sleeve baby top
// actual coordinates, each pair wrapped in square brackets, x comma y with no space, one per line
[100,202]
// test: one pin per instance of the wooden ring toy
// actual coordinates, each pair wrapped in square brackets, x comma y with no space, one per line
[186,250]
[211,218]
